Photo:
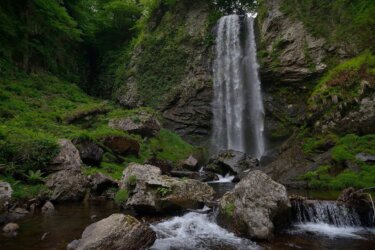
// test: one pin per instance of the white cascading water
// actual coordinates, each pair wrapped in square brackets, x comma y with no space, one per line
[196,231]
[237,107]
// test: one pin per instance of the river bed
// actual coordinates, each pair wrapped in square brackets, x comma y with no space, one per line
[188,231]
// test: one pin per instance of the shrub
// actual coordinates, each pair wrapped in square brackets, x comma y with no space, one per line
[163,191]
[121,196]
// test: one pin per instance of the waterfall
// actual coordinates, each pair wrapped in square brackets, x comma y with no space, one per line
[328,212]
[237,107]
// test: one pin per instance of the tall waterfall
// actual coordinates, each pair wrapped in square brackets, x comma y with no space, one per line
[237,107]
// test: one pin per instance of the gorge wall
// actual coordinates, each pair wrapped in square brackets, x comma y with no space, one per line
[170,69]
[318,84]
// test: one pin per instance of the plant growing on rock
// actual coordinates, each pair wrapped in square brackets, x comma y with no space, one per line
[132,181]
[35,177]
[121,196]
[163,191]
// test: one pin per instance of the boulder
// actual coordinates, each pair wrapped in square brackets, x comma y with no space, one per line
[142,124]
[100,183]
[48,208]
[231,161]
[185,174]
[190,164]
[11,229]
[365,157]
[165,166]
[151,192]
[67,185]
[255,206]
[117,232]
[67,159]
[122,145]
[5,195]
[90,152]
[17,214]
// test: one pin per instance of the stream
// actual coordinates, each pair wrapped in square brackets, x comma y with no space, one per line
[193,230]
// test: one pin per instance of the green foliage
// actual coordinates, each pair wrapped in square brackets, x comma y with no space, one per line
[35,177]
[163,191]
[170,146]
[26,191]
[339,21]
[344,81]
[236,6]
[318,143]
[26,149]
[229,209]
[132,180]
[121,196]
[350,145]
[335,176]
[111,169]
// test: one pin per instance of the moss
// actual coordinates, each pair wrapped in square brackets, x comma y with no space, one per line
[108,168]
[336,176]
[336,20]
[350,145]
[170,146]
[343,81]
[229,209]
[24,191]
[121,196]
[318,143]
[132,180]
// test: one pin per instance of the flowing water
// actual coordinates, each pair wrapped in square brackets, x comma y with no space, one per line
[237,107]
[196,231]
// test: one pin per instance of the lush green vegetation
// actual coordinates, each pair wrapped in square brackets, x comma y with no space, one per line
[34,110]
[121,196]
[344,82]
[338,175]
[339,21]
[229,209]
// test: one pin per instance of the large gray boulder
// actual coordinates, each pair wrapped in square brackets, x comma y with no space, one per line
[67,185]
[231,161]
[143,124]
[254,206]
[149,191]
[117,232]
[68,157]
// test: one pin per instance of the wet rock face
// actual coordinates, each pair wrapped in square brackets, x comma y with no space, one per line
[231,161]
[145,125]
[359,120]
[117,232]
[299,55]
[189,112]
[255,206]
[151,192]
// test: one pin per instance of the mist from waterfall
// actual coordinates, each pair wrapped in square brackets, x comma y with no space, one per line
[237,107]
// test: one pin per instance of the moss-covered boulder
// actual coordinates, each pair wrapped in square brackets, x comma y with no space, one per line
[151,192]
[255,207]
